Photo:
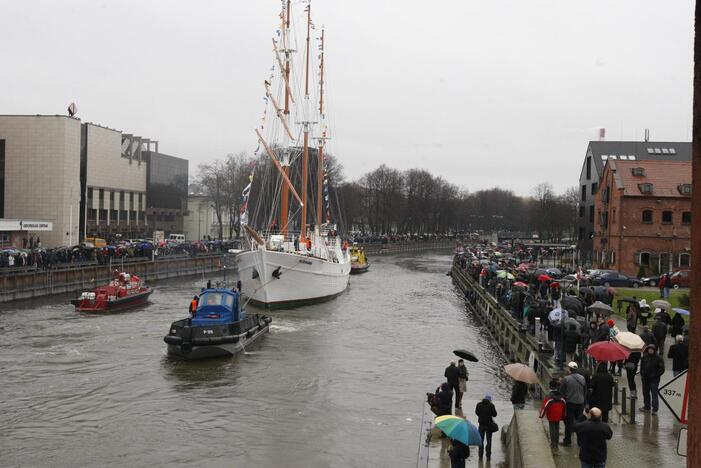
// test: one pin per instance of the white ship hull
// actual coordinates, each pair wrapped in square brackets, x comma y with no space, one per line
[301,278]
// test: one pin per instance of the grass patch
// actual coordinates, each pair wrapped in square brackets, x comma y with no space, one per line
[649,295]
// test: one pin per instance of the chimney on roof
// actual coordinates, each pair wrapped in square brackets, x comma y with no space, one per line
[602,134]
[647,134]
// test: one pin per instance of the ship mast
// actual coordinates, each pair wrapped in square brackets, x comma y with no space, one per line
[285,197]
[320,140]
[305,157]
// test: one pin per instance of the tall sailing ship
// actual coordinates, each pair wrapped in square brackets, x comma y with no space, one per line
[284,267]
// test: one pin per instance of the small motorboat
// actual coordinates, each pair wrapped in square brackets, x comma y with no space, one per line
[122,292]
[359,262]
[218,327]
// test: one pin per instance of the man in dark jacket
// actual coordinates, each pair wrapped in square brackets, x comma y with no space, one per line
[602,391]
[659,331]
[452,376]
[591,437]
[570,341]
[679,354]
[647,336]
[486,412]
[651,369]
[518,394]
[458,453]
[445,399]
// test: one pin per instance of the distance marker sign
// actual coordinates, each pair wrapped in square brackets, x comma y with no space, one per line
[675,394]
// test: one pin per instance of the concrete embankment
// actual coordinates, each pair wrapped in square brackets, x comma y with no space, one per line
[47,282]
[525,439]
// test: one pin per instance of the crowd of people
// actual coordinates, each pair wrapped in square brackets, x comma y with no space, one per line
[85,253]
[448,396]
[571,318]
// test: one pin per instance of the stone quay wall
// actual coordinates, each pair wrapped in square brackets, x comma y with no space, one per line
[74,280]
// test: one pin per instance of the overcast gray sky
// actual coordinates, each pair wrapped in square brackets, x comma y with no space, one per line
[484,93]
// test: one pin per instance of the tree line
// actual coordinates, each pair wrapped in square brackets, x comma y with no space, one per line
[384,201]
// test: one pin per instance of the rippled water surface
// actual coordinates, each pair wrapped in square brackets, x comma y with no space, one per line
[334,384]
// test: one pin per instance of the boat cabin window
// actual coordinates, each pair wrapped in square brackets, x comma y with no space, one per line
[214,299]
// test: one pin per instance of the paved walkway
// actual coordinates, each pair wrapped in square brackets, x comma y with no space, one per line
[651,442]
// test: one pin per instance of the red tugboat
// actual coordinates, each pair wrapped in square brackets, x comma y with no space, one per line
[123,291]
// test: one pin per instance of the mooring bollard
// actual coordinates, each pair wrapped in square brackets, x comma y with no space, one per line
[623,400]
[633,399]
[615,392]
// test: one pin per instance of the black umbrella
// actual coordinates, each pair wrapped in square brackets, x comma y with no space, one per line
[628,299]
[465,355]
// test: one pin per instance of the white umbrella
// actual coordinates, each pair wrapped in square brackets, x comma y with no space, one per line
[661,304]
[630,341]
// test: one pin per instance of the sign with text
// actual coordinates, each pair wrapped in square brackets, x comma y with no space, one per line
[675,394]
[25,225]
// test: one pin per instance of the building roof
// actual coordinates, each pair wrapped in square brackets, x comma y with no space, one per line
[665,177]
[639,150]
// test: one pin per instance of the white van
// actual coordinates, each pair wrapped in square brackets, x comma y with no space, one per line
[177,238]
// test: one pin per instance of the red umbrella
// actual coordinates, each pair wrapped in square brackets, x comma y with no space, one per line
[520,284]
[543,278]
[608,351]
[555,284]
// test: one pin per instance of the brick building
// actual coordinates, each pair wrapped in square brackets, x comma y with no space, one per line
[643,216]
[598,152]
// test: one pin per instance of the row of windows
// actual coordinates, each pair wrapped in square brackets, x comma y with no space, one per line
[667,217]
[101,199]
[648,259]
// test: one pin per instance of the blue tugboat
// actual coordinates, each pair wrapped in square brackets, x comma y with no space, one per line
[219,327]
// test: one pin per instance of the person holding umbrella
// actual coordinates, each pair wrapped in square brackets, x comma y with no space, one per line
[462,434]
[462,381]
[452,375]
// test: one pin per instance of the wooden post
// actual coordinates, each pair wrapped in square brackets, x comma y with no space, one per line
[694,412]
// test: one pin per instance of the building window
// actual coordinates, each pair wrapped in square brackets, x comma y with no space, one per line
[645,259]
[4,238]
[101,201]
[588,167]
[90,197]
[591,214]
[647,216]
[686,217]
[581,233]
[612,257]
[667,217]
[92,214]
[594,186]
[121,201]
[684,260]
[645,188]
[604,221]
[638,171]
[581,212]
[112,200]
[584,193]
[113,215]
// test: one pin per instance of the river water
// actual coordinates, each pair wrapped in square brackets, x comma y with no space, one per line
[335,384]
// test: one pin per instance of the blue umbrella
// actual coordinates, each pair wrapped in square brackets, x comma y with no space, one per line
[459,429]
[681,311]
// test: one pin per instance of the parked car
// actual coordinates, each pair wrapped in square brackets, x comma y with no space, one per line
[650,280]
[617,279]
[680,279]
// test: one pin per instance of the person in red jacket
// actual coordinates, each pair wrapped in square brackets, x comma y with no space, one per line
[554,408]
